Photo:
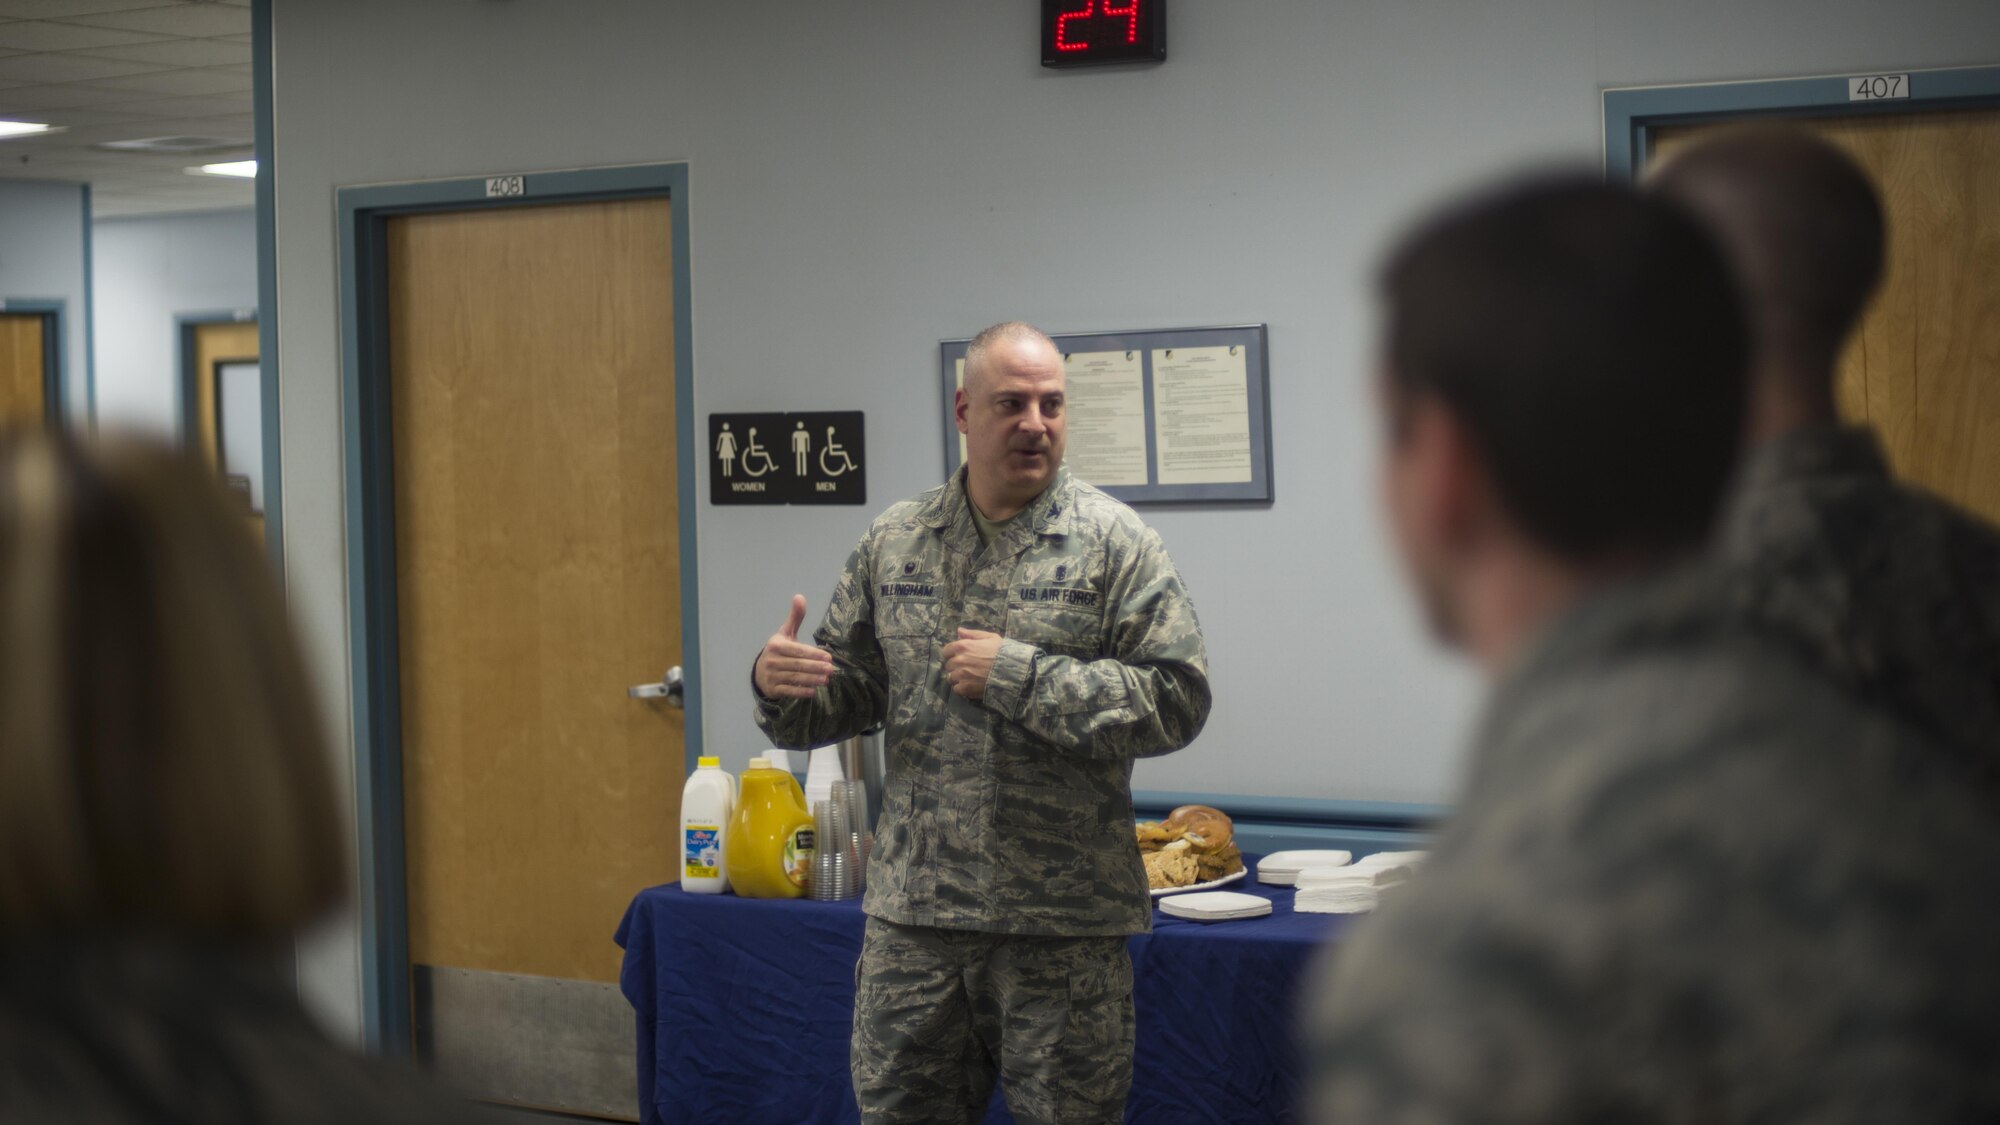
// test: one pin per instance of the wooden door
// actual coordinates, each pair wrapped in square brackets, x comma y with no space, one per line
[216,344]
[537,577]
[23,368]
[1925,368]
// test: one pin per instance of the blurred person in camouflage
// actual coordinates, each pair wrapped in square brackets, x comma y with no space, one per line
[1025,638]
[1686,879]
[1889,589]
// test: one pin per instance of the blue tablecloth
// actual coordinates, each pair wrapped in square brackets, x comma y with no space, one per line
[744,1008]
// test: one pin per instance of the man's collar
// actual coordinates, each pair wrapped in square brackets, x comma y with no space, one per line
[1814,451]
[1049,513]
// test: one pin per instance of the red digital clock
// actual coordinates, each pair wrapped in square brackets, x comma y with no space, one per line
[1092,32]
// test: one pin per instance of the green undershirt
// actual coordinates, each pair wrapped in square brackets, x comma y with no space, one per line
[989,530]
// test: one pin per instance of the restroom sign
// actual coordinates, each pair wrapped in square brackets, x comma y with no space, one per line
[787,458]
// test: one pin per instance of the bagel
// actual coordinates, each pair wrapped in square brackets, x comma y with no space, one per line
[1209,830]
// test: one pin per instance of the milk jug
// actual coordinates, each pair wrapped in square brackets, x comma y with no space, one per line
[771,836]
[707,803]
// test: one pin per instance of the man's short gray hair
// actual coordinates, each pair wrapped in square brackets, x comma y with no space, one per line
[1007,331]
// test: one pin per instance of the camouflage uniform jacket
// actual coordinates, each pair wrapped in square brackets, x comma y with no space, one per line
[1890,591]
[1012,814]
[1688,881]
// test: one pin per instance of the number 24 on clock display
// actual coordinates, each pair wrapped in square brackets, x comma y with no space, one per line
[1094,32]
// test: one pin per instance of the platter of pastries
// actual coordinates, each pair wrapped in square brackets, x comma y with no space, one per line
[1193,849]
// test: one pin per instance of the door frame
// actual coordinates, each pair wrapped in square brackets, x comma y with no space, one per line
[55,357]
[187,328]
[1631,113]
[364,214]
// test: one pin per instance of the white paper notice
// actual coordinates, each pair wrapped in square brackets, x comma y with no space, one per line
[1201,410]
[1107,417]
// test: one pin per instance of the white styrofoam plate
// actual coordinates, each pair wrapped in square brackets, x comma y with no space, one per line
[1208,886]
[1217,906]
[1281,869]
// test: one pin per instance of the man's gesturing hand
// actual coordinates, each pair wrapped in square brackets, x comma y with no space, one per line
[969,660]
[787,669]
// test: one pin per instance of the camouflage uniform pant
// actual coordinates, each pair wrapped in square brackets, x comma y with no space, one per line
[939,1014]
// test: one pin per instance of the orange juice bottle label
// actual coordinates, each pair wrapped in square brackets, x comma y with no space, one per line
[799,856]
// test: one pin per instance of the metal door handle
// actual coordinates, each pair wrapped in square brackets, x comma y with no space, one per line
[668,687]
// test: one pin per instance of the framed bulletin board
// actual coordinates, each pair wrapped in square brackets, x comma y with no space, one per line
[1177,415]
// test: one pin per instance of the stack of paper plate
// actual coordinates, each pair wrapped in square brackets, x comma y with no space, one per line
[1282,868]
[1215,906]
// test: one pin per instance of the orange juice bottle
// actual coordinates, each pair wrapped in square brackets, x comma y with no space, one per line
[770,836]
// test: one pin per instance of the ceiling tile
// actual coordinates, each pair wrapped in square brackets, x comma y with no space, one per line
[71,68]
[58,97]
[227,125]
[177,52]
[179,19]
[14,169]
[183,107]
[36,35]
[89,116]
[63,9]
[182,83]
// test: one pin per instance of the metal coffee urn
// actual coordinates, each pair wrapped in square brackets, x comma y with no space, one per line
[862,757]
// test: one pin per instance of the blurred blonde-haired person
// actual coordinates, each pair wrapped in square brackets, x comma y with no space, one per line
[167,824]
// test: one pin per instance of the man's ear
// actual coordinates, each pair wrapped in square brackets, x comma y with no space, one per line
[958,406]
[1452,473]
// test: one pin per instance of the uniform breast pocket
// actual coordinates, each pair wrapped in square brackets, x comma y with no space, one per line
[1072,628]
[907,628]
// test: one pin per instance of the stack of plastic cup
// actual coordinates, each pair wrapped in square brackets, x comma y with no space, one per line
[833,872]
[852,796]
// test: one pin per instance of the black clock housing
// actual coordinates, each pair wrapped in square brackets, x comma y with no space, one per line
[1101,32]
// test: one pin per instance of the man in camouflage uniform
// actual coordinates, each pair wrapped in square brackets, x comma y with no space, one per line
[1688,880]
[1889,590]
[1025,638]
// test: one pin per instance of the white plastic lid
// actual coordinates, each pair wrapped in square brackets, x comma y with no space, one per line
[760,763]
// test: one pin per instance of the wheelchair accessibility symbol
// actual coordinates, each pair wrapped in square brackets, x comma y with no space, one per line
[832,448]
[751,449]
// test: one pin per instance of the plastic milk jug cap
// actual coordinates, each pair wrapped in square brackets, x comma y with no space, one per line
[760,763]
[709,763]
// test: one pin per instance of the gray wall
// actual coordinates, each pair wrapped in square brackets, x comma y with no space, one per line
[41,257]
[146,271]
[869,178]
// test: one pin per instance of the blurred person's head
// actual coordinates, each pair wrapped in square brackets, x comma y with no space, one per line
[1562,388]
[1801,226]
[162,766]
[1011,411]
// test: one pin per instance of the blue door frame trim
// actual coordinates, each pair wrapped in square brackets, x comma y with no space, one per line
[55,349]
[1269,824]
[364,213]
[1630,114]
[89,319]
[185,325]
[267,282]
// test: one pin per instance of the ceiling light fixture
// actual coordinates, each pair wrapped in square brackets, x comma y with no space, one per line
[240,169]
[26,129]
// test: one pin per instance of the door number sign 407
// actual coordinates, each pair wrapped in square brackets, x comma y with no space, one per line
[1878,87]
